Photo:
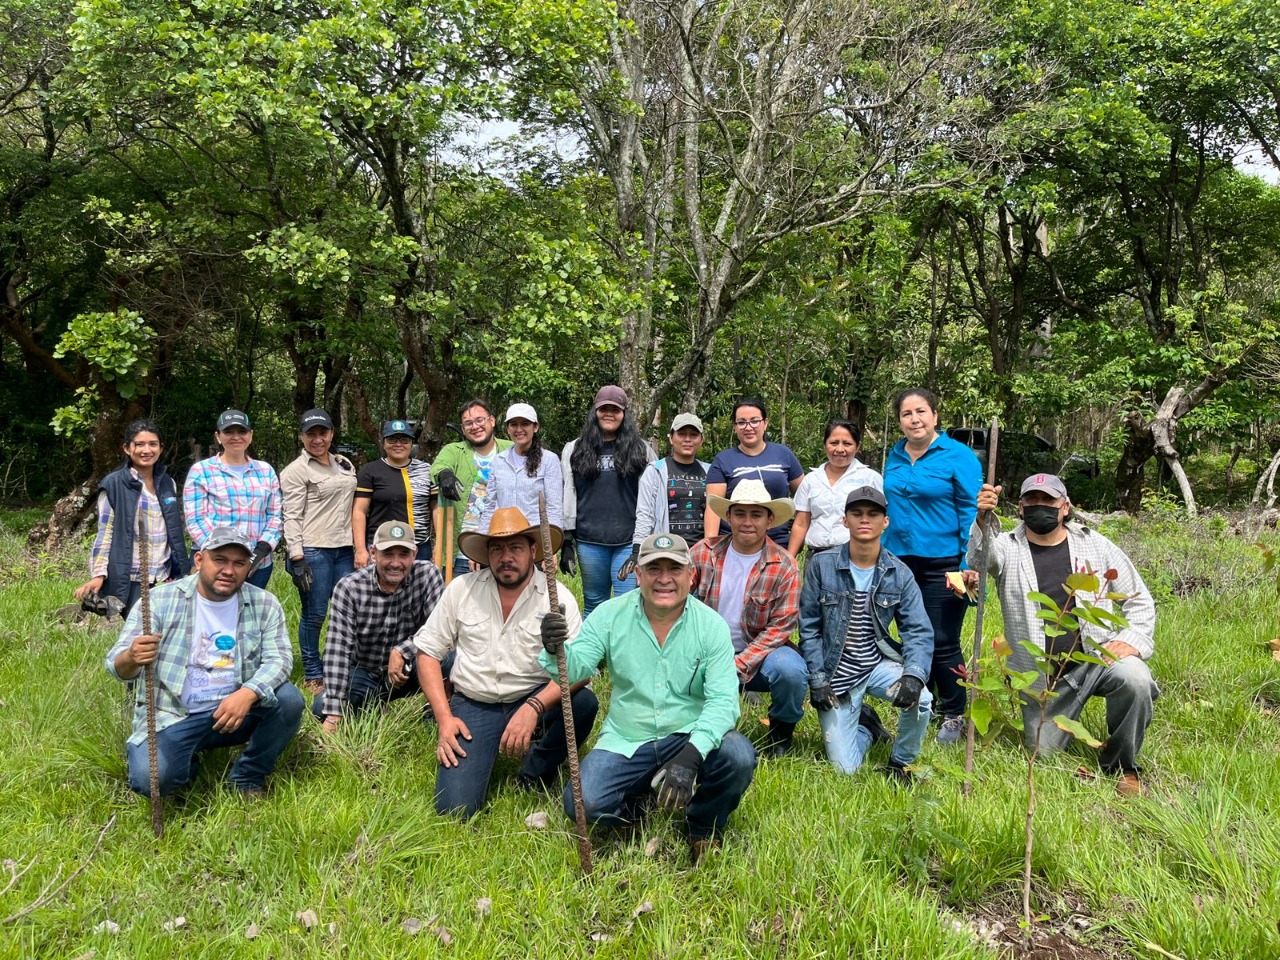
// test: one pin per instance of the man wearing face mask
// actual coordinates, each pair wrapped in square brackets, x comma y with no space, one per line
[1038,555]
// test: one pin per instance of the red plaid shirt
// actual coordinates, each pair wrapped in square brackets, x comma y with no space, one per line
[770,606]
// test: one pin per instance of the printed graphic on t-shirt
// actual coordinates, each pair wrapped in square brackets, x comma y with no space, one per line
[211,674]
[686,500]
[479,492]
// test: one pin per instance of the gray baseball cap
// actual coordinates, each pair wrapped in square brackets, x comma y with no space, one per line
[1044,483]
[227,536]
[866,494]
[663,546]
[687,420]
[233,418]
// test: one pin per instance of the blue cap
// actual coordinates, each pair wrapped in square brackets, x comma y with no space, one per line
[396,428]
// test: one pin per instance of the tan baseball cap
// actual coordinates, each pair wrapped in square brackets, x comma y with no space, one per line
[663,546]
[394,533]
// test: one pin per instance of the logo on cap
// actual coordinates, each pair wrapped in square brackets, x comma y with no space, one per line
[397,531]
[1039,479]
[399,425]
[662,543]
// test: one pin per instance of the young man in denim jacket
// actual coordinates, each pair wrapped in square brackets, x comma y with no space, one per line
[849,599]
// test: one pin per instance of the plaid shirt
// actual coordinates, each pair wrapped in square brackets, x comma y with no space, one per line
[771,602]
[157,538]
[265,654]
[366,623]
[215,495]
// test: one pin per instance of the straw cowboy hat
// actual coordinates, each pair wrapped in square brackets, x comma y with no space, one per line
[753,493]
[507,522]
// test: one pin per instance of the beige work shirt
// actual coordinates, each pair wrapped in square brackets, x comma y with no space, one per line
[317,502]
[497,662]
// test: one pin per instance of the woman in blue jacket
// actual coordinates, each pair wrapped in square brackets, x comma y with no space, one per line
[932,484]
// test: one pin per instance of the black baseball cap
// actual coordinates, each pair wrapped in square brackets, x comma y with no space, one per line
[866,494]
[396,428]
[315,418]
[233,418]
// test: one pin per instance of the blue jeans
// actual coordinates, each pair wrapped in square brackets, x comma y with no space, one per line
[461,566]
[365,689]
[262,576]
[463,789]
[266,730]
[599,564]
[846,742]
[328,566]
[785,677]
[614,786]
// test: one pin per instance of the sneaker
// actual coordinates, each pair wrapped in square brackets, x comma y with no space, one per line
[952,730]
[1130,786]
[898,775]
[871,720]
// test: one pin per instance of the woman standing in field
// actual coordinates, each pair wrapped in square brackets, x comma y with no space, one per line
[396,486]
[141,484]
[819,523]
[754,458]
[524,470]
[932,484]
[601,488]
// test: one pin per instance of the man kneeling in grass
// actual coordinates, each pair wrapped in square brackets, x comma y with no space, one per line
[850,598]
[502,702]
[674,702]
[1038,555]
[222,661]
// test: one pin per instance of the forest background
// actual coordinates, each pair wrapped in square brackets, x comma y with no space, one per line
[1060,213]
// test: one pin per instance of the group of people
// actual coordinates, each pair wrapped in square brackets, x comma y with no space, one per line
[693,595]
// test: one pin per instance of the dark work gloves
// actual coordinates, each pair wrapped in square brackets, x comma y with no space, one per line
[260,554]
[629,565]
[908,695]
[822,696]
[568,556]
[555,632]
[450,486]
[674,780]
[303,578]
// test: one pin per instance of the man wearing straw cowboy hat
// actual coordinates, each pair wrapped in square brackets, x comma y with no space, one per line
[755,586]
[502,701]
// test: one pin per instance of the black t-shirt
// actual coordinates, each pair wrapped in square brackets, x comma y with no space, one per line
[396,493]
[686,498]
[1053,566]
[606,504]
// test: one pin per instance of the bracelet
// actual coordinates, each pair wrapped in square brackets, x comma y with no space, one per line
[536,704]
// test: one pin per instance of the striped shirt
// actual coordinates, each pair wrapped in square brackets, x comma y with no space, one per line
[861,653]
[157,538]
[263,665]
[366,623]
[215,495]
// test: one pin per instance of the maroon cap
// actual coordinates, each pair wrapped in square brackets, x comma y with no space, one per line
[610,395]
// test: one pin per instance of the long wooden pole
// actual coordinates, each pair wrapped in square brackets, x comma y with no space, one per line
[566,701]
[983,562]
[149,672]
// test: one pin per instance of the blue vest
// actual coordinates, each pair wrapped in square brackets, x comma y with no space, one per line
[123,489]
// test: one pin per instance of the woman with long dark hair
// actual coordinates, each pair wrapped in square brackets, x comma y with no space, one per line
[524,470]
[932,483]
[141,483]
[601,486]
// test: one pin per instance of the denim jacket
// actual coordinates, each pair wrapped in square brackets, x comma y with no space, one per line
[824,614]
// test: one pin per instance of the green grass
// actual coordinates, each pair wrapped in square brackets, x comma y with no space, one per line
[814,865]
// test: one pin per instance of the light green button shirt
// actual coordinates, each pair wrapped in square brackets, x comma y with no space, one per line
[687,685]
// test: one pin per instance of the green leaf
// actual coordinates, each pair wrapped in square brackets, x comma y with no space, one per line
[1083,583]
[980,712]
[1044,600]
[1077,730]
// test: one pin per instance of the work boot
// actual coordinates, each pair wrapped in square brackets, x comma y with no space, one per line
[871,720]
[778,742]
[952,730]
[1130,786]
[698,849]
[898,775]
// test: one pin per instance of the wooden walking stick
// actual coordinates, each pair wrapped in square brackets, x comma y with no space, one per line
[984,559]
[447,519]
[149,672]
[566,702]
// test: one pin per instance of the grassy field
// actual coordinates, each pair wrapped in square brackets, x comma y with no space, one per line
[815,864]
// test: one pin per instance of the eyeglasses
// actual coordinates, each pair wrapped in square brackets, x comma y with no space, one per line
[479,422]
[399,439]
[748,423]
